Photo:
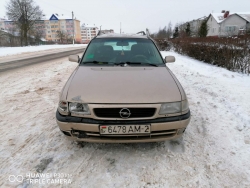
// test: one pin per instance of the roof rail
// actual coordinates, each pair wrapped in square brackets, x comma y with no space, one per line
[141,32]
[147,32]
[99,32]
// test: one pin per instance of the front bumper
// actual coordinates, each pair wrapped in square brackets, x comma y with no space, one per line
[86,129]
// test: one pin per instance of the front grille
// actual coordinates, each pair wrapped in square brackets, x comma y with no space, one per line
[115,112]
[153,134]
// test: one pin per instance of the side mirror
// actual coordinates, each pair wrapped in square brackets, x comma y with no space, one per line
[169,59]
[74,58]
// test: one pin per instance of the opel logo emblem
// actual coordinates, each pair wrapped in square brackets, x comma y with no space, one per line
[125,113]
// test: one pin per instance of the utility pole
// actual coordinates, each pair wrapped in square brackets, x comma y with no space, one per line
[73,28]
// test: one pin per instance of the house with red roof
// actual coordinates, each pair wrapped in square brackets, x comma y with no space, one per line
[228,24]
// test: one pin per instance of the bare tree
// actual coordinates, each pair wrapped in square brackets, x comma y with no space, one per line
[9,37]
[69,38]
[3,38]
[61,35]
[169,30]
[38,35]
[12,36]
[181,29]
[24,13]
[162,33]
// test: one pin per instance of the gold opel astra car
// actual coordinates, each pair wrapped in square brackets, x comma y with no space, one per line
[122,92]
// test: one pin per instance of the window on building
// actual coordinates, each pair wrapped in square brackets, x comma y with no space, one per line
[230,28]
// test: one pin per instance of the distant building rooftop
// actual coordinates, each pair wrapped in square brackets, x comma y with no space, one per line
[219,17]
[117,35]
[57,16]
[88,26]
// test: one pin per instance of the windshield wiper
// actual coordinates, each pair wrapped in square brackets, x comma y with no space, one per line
[135,63]
[95,62]
[138,63]
[128,63]
[154,65]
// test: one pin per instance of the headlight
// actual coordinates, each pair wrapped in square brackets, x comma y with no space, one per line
[184,105]
[63,108]
[170,108]
[79,108]
[174,107]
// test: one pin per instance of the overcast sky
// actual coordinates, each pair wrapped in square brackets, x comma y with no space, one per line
[136,15]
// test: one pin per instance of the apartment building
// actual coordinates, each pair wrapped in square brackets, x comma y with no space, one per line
[60,27]
[57,28]
[7,25]
[88,32]
[108,31]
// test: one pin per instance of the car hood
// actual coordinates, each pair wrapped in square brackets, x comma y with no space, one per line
[123,85]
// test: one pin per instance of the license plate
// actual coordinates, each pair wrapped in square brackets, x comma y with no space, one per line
[124,129]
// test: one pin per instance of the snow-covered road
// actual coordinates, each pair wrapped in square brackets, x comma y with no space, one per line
[27,50]
[214,151]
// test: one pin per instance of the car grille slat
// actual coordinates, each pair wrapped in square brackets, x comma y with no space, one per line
[115,112]
[153,134]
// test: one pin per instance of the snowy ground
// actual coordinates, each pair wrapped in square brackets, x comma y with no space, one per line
[4,51]
[214,151]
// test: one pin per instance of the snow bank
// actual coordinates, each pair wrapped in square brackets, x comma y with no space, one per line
[18,50]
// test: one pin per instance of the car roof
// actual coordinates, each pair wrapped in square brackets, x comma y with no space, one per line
[117,35]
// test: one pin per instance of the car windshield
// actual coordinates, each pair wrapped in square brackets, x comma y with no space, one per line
[121,51]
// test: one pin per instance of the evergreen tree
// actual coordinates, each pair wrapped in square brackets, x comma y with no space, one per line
[248,32]
[176,32]
[187,30]
[203,30]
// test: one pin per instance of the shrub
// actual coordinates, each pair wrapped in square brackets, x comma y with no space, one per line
[231,53]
